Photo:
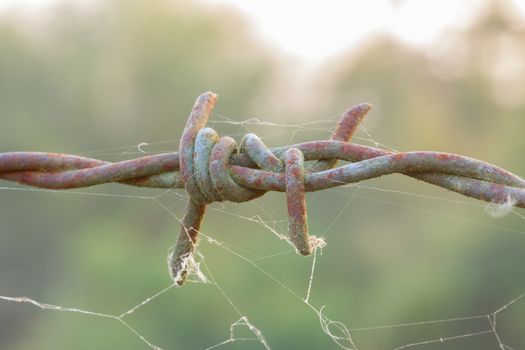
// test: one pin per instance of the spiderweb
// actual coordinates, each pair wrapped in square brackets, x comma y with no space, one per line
[305,286]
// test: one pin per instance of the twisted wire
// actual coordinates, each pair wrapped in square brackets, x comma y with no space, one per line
[214,169]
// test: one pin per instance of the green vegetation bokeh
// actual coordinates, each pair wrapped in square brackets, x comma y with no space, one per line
[122,73]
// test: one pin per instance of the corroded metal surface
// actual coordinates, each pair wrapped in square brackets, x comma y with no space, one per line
[212,168]
[296,201]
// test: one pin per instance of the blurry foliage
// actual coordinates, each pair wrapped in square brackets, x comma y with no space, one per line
[125,72]
[468,88]
[119,69]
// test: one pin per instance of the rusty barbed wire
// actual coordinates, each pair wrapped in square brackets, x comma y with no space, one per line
[214,169]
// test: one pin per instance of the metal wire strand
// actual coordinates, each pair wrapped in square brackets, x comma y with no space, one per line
[214,169]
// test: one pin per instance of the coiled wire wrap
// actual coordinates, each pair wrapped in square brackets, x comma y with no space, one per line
[213,169]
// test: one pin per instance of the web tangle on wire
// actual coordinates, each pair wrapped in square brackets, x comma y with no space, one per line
[204,157]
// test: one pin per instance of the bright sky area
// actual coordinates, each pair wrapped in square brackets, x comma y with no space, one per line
[314,31]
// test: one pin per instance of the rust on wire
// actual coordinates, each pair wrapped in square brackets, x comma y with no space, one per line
[214,169]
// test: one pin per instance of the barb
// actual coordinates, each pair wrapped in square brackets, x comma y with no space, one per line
[212,168]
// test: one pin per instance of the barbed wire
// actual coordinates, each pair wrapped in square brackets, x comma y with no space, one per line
[215,169]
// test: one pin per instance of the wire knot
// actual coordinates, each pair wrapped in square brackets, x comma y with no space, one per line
[204,162]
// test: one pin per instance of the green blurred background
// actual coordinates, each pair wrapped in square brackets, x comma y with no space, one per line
[99,80]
